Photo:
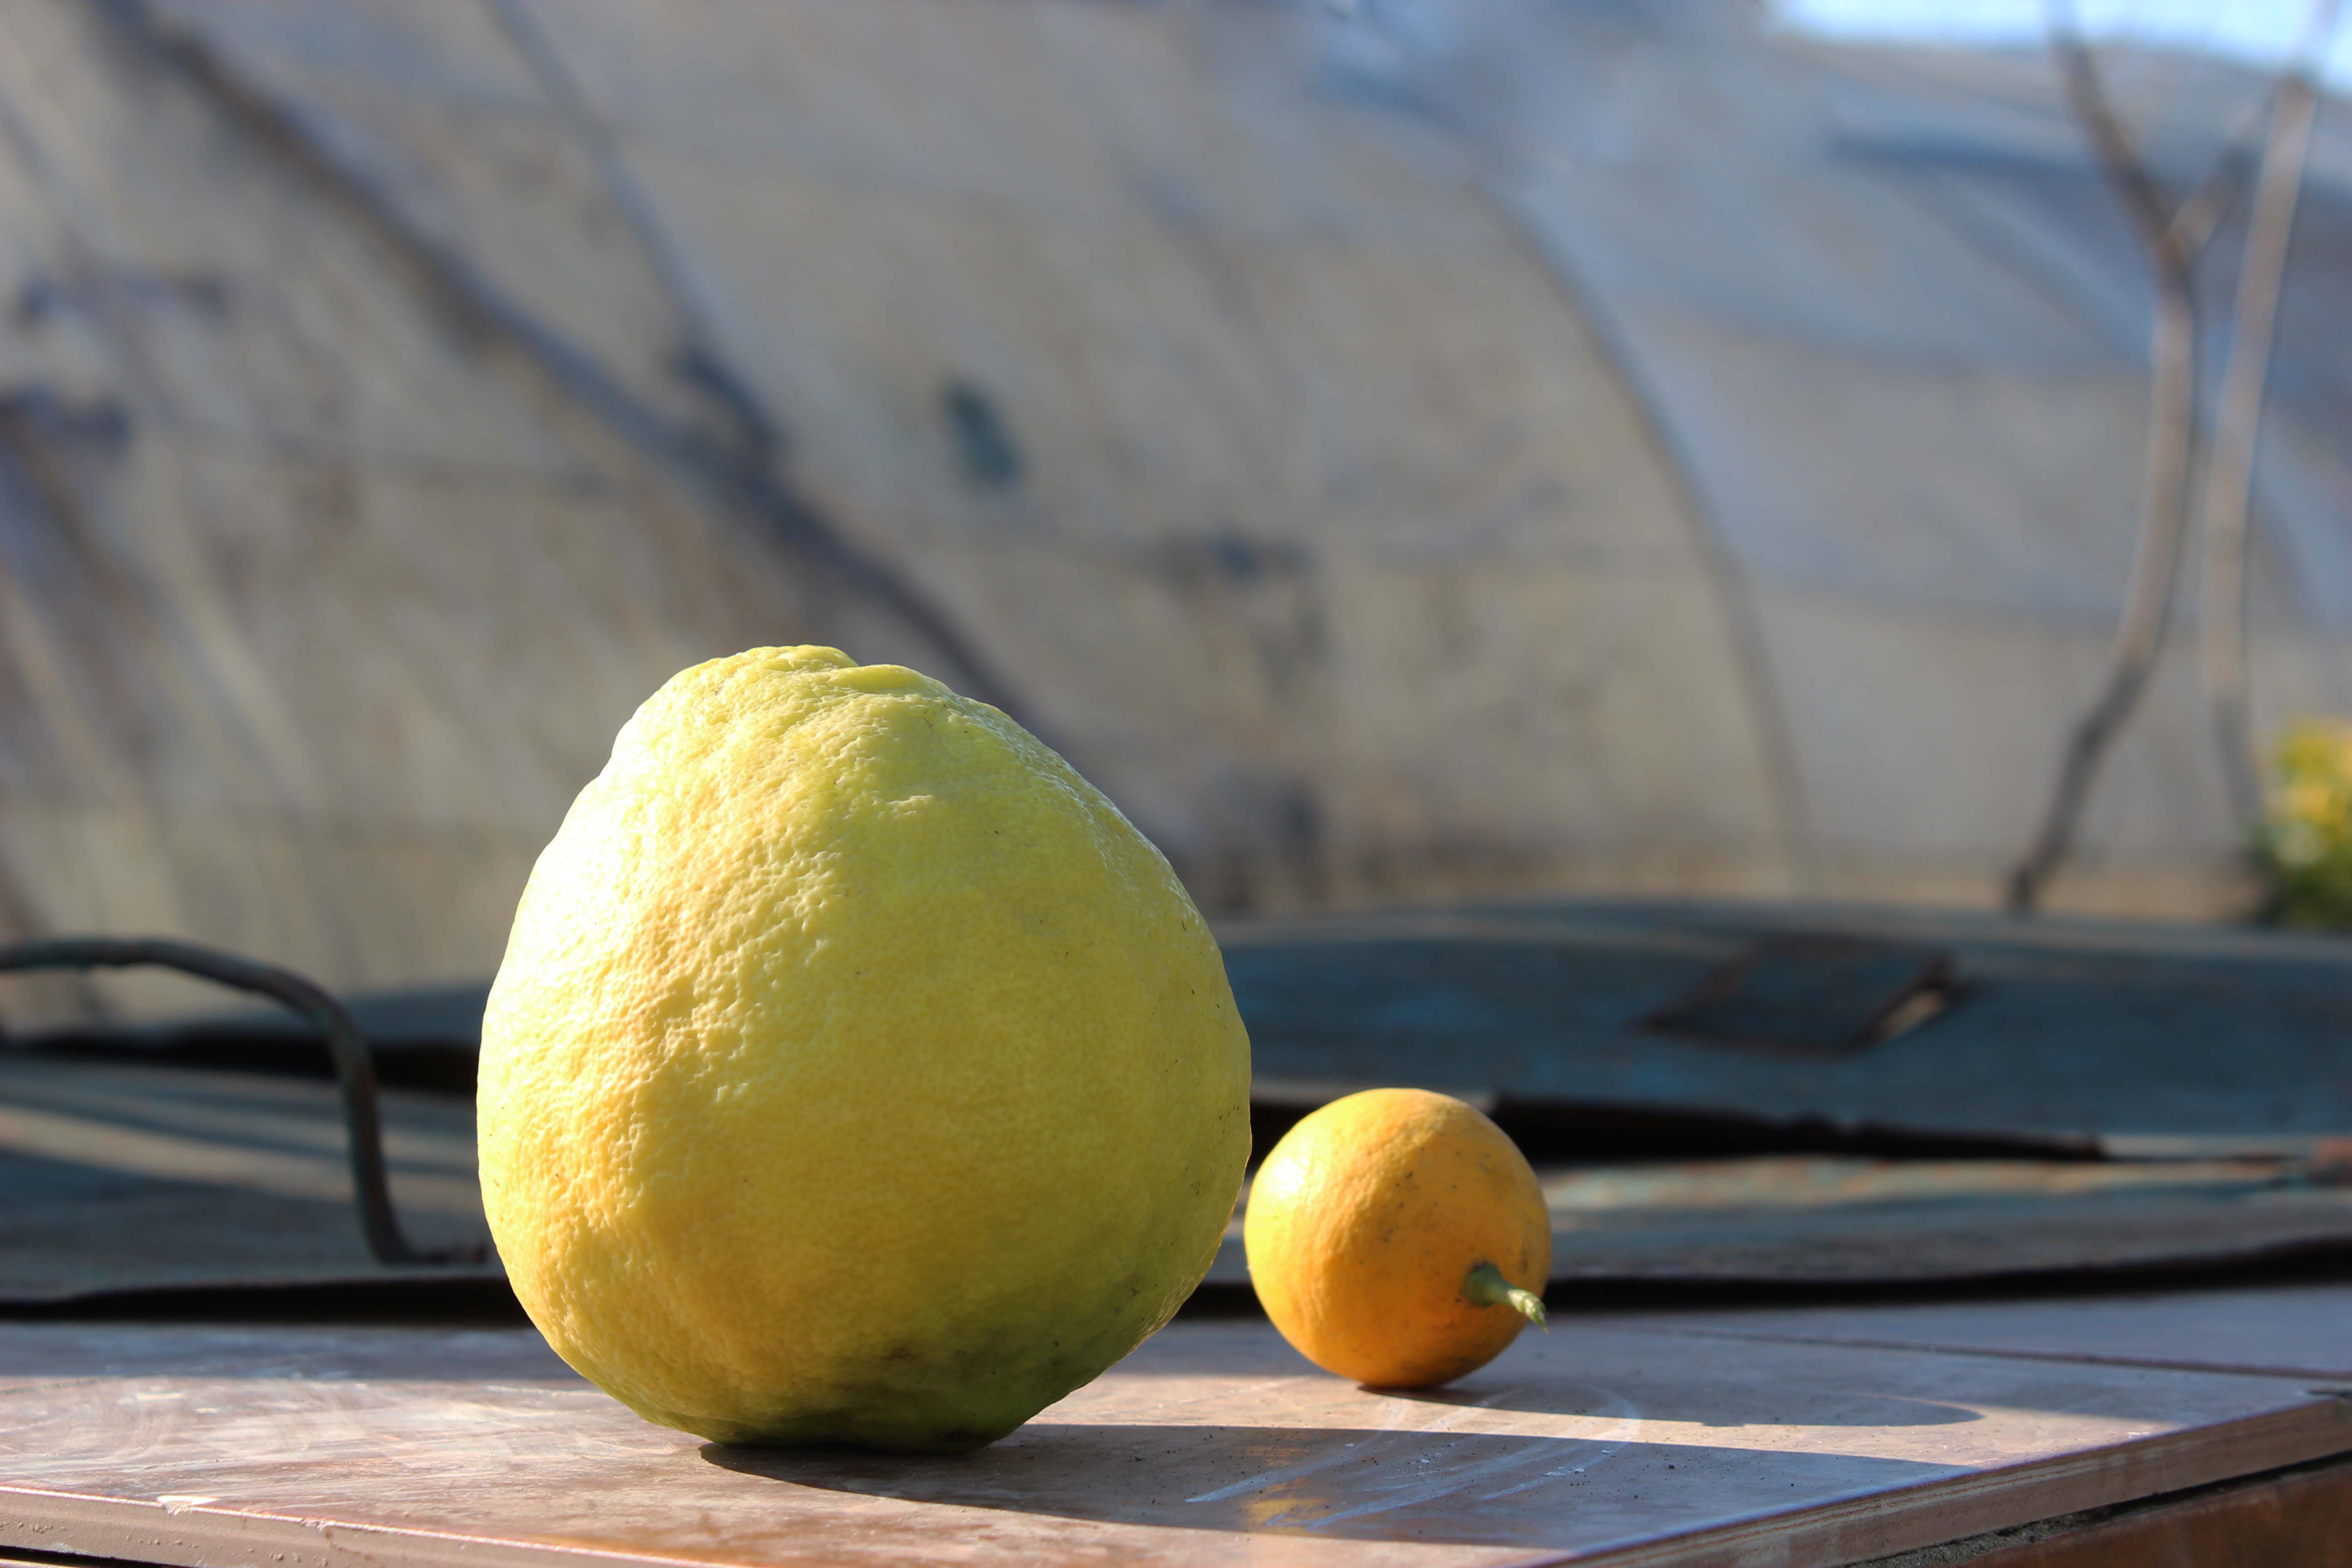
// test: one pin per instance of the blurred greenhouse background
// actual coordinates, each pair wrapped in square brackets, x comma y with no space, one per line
[1402,452]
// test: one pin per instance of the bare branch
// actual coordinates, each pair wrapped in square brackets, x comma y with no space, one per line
[2148,607]
[2215,195]
[2172,237]
[2152,212]
[2229,478]
[2164,480]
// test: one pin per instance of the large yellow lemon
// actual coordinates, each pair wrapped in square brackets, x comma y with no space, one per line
[856,1073]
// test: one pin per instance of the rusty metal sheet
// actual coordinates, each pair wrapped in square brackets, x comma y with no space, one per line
[1809,1219]
[1812,995]
[2057,1036]
[2053,1037]
[1214,1444]
[2052,1029]
[1830,1220]
[115,1178]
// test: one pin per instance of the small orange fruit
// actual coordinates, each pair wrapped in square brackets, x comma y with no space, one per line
[1398,1237]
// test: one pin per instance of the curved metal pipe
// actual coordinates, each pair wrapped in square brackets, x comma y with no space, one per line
[354,1068]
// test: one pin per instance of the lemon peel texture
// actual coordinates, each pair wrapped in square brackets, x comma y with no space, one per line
[856,1074]
[1398,1237]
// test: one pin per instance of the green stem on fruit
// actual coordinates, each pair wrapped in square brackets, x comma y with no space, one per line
[1486,1286]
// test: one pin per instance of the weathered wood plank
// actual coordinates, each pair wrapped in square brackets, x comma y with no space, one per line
[2302,1517]
[2287,1331]
[1214,1444]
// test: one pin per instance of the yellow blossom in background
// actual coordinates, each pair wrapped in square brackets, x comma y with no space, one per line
[2305,840]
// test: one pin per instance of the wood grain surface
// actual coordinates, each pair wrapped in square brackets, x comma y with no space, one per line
[2303,1519]
[2289,1330]
[222,1448]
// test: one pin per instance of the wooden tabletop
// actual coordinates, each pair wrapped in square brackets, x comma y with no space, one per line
[2284,1330]
[1695,1439]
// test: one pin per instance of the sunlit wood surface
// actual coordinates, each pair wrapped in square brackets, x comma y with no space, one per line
[1624,1440]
